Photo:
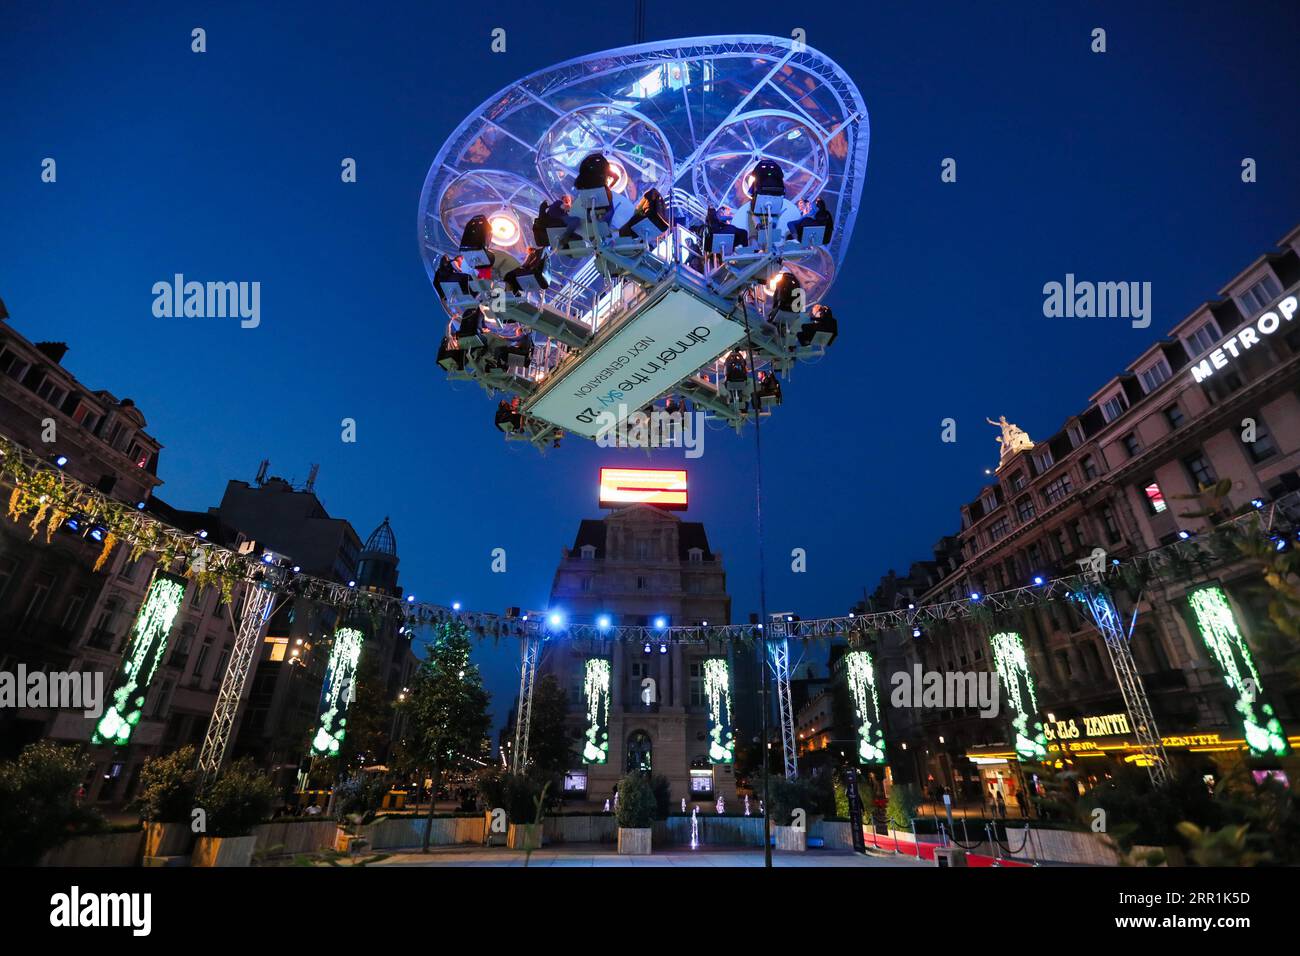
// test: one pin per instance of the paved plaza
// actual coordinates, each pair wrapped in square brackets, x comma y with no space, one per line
[595,854]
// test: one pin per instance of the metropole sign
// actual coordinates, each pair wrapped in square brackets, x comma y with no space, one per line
[1248,335]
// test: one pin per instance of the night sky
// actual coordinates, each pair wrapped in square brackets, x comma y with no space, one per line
[1122,166]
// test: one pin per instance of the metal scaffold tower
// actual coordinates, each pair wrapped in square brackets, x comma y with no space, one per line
[532,649]
[778,655]
[258,598]
[1106,618]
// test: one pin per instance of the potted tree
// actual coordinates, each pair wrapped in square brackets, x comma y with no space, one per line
[635,814]
[241,798]
[525,801]
[792,804]
[167,800]
[491,785]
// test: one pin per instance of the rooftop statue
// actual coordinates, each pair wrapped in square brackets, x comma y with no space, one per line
[1013,439]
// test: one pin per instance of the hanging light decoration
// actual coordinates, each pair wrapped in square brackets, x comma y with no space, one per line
[595,689]
[717,690]
[861,672]
[338,692]
[1018,684]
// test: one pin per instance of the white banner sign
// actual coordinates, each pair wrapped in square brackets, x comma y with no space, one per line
[645,358]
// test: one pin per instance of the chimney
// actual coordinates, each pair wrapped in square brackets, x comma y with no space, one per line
[54,351]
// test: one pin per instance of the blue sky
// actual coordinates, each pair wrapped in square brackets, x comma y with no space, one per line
[1116,166]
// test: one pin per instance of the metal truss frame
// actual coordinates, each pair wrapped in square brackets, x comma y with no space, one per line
[258,599]
[1107,620]
[778,656]
[530,651]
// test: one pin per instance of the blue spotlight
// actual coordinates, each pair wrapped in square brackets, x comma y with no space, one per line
[556,619]
[410,599]
[916,632]
[646,649]
[974,595]
[602,622]
[455,606]
[663,648]
[1257,503]
[61,460]
[1184,535]
[352,584]
[1038,579]
[661,622]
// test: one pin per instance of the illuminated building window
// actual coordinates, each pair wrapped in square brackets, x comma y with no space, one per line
[575,781]
[701,782]
[277,647]
[1155,498]
[696,684]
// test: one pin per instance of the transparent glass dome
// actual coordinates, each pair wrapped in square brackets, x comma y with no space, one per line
[688,117]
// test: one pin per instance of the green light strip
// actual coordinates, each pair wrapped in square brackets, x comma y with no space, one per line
[1218,625]
[1018,684]
[717,689]
[595,689]
[866,705]
[339,690]
[144,652]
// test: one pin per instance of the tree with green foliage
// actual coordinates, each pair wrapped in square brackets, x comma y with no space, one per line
[168,787]
[636,802]
[38,801]
[550,746]
[901,805]
[447,709]
[242,797]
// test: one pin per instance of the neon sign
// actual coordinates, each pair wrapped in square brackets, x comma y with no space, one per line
[1245,337]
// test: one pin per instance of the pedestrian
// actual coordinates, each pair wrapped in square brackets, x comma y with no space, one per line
[1001,805]
[1023,804]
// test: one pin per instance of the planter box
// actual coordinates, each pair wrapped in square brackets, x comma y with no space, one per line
[635,840]
[100,849]
[490,838]
[223,851]
[295,837]
[350,843]
[789,838]
[524,836]
[167,839]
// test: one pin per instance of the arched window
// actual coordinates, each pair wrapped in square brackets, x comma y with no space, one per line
[639,751]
